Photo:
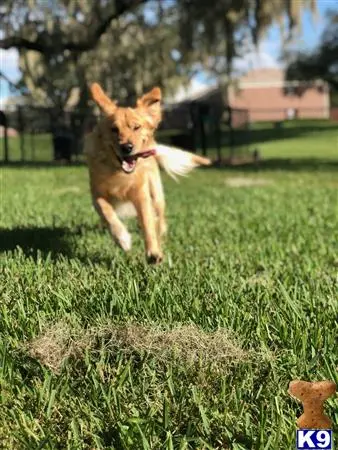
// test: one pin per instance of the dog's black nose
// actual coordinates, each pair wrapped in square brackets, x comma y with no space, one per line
[127,148]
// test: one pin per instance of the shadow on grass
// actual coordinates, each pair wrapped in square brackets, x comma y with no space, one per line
[41,164]
[45,240]
[259,135]
[268,133]
[52,242]
[112,438]
[287,164]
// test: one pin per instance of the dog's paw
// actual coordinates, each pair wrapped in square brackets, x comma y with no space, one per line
[154,258]
[124,241]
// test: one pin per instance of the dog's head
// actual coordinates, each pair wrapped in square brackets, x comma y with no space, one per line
[131,129]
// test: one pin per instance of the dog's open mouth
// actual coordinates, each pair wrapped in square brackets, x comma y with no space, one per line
[128,163]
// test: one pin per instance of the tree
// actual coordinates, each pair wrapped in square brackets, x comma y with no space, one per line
[52,38]
[125,57]
[144,56]
[322,63]
[63,44]
[215,31]
[132,56]
[52,27]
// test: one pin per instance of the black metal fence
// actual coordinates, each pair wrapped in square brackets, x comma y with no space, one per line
[201,126]
[43,134]
[46,134]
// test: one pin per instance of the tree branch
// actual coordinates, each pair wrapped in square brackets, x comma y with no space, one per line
[47,44]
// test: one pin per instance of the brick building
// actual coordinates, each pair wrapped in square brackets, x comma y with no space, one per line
[268,97]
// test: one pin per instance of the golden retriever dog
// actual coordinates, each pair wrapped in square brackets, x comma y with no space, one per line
[124,159]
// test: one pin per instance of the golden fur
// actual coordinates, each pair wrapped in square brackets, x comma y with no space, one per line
[117,179]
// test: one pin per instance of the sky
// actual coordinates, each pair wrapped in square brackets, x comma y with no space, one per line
[267,55]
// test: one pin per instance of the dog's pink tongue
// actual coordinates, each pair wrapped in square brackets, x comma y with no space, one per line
[129,162]
[148,153]
[141,155]
[128,165]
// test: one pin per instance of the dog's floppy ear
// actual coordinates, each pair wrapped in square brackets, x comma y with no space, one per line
[104,102]
[151,102]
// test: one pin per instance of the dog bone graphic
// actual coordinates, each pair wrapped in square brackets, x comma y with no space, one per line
[313,395]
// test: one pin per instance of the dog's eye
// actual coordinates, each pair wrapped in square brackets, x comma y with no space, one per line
[136,127]
[114,129]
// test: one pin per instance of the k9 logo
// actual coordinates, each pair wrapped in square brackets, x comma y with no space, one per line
[314,439]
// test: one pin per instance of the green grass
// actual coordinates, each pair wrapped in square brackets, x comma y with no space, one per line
[302,136]
[297,139]
[38,147]
[260,262]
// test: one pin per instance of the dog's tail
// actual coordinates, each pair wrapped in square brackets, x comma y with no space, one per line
[178,162]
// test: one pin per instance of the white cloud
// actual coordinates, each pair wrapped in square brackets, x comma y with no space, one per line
[9,64]
[195,87]
[265,56]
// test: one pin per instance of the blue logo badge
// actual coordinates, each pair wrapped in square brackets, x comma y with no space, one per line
[314,439]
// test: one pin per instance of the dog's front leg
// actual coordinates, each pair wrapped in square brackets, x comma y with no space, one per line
[146,215]
[157,195]
[117,230]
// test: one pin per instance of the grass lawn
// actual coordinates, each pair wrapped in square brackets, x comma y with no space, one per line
[297,139]
[38,147]
[286,142]
[99,350]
